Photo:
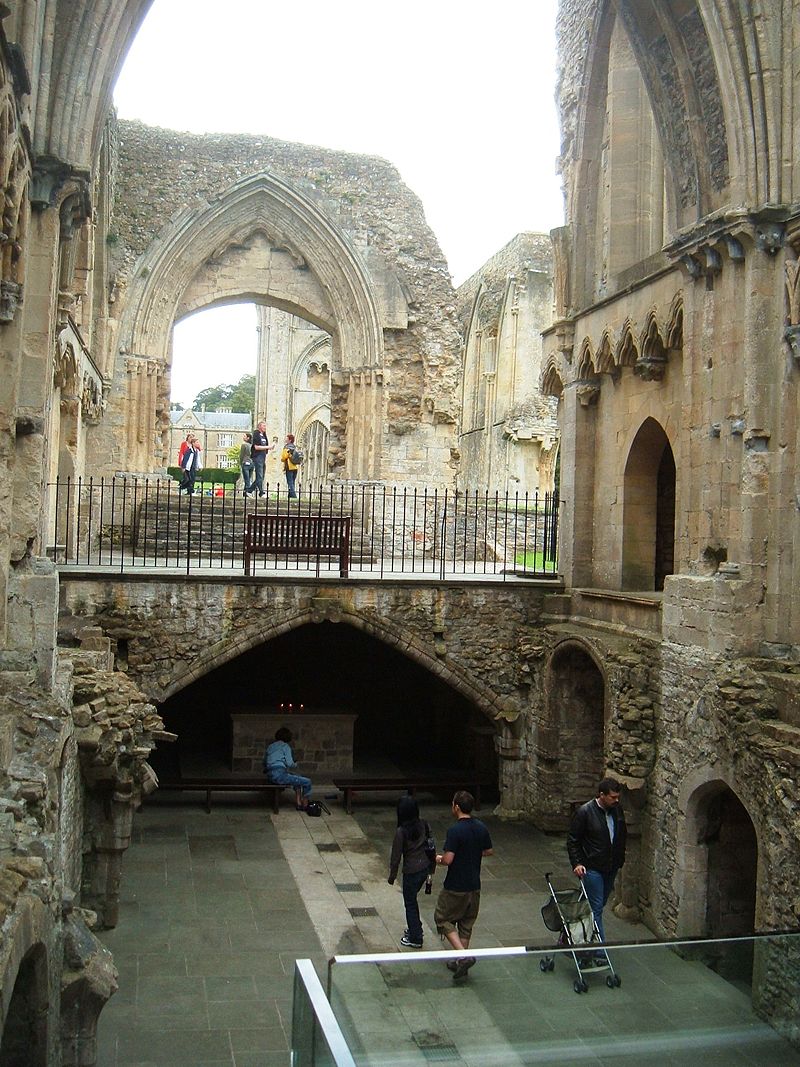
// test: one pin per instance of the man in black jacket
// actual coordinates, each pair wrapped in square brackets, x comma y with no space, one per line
[596,845]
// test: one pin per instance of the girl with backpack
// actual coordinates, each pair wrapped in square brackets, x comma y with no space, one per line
[413,842]
[290,460]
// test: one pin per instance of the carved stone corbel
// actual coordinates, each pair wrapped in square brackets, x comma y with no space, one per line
[587,393]
[650,368]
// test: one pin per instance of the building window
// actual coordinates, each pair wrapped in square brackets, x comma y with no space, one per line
[225,440]
[224,461]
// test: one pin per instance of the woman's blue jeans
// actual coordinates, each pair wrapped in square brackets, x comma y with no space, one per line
[412,883]
[296,781]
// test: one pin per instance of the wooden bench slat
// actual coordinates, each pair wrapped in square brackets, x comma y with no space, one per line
[230,785]
[303,535]
[349,786]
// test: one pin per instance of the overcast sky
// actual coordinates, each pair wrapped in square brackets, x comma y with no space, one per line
[458,95]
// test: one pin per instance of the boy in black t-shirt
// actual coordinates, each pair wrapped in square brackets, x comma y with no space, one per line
[466,844]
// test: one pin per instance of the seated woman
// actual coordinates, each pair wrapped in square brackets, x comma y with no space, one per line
[278,764]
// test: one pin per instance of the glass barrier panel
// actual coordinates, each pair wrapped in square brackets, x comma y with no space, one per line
[317,1039]
[733,1001]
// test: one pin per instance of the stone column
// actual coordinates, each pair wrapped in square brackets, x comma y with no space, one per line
[577,483]
[111,819]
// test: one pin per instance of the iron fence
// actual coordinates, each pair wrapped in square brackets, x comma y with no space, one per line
[129,522]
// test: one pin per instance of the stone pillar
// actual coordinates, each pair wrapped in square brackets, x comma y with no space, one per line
[88,981]
[110,815]
[576,515]
[763,296]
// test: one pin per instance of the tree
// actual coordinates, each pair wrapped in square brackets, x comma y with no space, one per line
[239,397]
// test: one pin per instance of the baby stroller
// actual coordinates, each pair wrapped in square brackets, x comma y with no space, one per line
[568,913]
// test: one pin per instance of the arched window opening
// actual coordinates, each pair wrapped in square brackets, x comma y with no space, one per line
[648,548]
[314,444]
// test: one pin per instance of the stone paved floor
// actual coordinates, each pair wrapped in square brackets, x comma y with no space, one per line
[215,908]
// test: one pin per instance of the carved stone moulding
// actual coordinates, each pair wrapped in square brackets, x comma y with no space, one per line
[587,393]
[703,251]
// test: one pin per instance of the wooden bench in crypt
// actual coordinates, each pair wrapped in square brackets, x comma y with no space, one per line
[224,785]
[409,784]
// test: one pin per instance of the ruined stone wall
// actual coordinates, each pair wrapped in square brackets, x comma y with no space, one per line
[719,720]
[509,434]
[162,174]
[177,630]
[72,771]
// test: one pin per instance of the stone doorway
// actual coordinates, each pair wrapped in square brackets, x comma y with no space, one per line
[720,876]
[24,1033]
[573,745]
[648,543]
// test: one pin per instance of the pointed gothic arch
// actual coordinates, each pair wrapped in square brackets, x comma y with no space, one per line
[270,244]
[648,539]
[484,698]
[551,383]
[717,885]
[627,352]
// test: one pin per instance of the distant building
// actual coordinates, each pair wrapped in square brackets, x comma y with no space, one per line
[217,431]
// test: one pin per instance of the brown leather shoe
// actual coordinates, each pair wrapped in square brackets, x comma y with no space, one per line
[462,967]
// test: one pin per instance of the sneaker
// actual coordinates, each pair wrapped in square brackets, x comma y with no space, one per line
[452,965]
[462,967]
[406,942]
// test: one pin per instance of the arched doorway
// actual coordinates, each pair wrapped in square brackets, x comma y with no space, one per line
[572,744]
[24,1035]
[648,542]
[720,870]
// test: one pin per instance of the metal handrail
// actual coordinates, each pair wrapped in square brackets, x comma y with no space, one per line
[128,522]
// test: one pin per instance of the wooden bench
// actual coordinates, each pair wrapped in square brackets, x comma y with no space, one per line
[224,785]
[298,535]
[409,784]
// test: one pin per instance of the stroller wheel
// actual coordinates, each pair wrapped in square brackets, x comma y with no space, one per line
[580,986]
[551,965]
[610,982]
[544,964]
[617,981]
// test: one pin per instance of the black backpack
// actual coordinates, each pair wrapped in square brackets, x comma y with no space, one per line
[295,455]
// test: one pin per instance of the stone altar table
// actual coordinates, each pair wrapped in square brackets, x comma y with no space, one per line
[322,742]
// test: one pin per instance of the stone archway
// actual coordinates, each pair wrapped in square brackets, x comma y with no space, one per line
[399,713]
[24,1031]
[648,540]
[572,743]
[262,241]
[719,864]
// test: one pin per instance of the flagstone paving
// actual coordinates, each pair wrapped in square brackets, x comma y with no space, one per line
[216,908]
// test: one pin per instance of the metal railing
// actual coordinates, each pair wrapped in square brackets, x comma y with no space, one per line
[128,522]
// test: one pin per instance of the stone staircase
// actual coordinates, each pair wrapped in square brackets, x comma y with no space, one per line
[213,527]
